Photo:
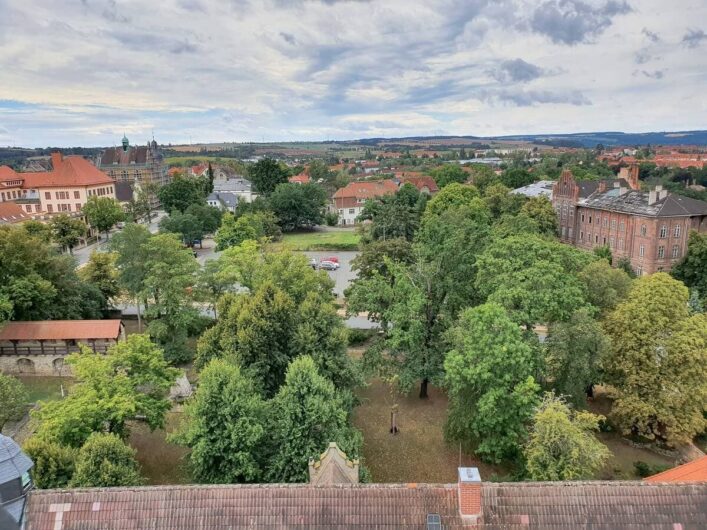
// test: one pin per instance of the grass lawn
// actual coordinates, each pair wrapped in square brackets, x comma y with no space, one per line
[418,453]
[161,462]
[321,240]
[44,388]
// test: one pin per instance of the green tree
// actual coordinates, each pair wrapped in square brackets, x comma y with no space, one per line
[373,255]
[170,274]
[489,377]
[14,398]
[541,211]
[182,192]
[657,364]
[105,461]
[452,195]
[605,286]
[130,246]
[319,171]
[516,178]
[394,216]
[101,271]
[102,213]
[254,226]
[562,445]
[298,205]
[574,349]
[187,226]
[67,231]
[54,464]
[533,278]
[448,174]
[305,416]
[692,270]
[133,379]
[208,216]
[224,426]
[501,201]
[38,229]
[266,174]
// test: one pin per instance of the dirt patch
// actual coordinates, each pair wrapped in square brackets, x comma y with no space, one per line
[161,462]
[418,453]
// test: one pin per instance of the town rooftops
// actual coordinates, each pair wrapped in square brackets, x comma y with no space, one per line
[640,203]
[234,185]
[11,212]
[70,171]
[61,330]
[366,190]
[421,182]
[135,155]
[302,178]
[541,188]
[229,200]
[691,472]
[520,505]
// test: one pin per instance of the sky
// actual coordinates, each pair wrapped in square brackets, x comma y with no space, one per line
[85,72]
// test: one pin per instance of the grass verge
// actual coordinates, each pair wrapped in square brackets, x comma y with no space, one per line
[329,240]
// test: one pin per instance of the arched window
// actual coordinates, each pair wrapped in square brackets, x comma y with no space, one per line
[643,230]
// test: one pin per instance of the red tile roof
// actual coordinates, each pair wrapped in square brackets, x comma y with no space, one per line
[11,212]
[422,182]
[366,190]
[508,506]
[302,178]
[61,330]
[67,171]
[695,471]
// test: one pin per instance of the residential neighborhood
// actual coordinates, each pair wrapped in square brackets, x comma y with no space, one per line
[341,265]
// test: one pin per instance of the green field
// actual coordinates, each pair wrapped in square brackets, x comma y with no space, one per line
[45,388]
[321,240]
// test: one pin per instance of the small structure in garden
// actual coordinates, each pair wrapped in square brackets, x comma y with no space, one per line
[333,467]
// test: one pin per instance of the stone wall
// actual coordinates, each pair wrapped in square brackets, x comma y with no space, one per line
[45,365]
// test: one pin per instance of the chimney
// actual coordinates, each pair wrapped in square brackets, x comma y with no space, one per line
[56,160]
[469,493]
[662,194]
[652,197]
[632,179]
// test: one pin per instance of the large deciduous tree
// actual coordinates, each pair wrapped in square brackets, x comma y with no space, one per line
[14,398]
[541,211]
[605,286]
[692,270]
[266,174]
[298,205]
[132,379]
[105,461]
[658,361]
[516,178]
[306,415]
[103,213]
[224,426]
[448,174]
[182,192]
[562,444]
[67,231]
[101,271]
[394,216]
[130,247]
[490,381]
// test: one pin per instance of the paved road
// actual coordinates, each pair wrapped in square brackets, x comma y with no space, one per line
[82,254]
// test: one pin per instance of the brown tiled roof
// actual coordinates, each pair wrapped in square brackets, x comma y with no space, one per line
[366,190]
[691,472]
[507,506]
[11,212]
[61,330]
[636,202]
[136,154]
[420,182]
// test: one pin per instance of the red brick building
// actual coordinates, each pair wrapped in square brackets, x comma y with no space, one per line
[650,229]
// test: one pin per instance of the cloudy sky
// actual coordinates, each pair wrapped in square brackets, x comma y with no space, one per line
[82,72]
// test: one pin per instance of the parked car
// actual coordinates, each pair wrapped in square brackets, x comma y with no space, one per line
[333,259]
[328,265]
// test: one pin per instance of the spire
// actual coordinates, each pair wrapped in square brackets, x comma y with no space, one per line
[125,142]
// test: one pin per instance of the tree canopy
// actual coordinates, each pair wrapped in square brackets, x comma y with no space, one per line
[298,205]
[103,213]
[182,192]
[105,461]
[692,270]
[67,231]
[14,398]
[266,174]
[448,174]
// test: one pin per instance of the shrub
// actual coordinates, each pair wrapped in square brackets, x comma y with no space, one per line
[53,463]
[331,218]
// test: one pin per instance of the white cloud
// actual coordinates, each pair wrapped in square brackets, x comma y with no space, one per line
[81,72]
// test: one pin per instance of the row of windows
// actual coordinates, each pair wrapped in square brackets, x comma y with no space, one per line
[63,207]
[10,195]
[605,222]
[28,208]
[351,211]
[663,232]
[100,191]
[660,253]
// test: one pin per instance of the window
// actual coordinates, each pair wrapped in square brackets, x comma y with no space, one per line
[676,251]
[57,195]
[661,252]
[605,222]
[643,230]
[569,232]
[582,217]
[341,212]
[660,269]
[76,195]
[2,195]
[663,232]
[36,207]
[613,224]
[641,250]
[590,219]
[581,236]
[639,271]
[50,208]
[622,226]
[589,237]
[677,231]
[564,211]
[352,210]
[611,242]
[596,238]
[28,207]
[78,206]
[603,240]
[621,243]
[564,231]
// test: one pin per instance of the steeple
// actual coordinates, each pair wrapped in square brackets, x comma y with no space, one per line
[126,143]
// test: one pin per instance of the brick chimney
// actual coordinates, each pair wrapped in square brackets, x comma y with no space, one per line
[56,160]
[469,493]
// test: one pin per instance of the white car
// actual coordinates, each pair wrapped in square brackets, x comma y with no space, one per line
[328,265]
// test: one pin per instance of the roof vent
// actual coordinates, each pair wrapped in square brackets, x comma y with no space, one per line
[434,521]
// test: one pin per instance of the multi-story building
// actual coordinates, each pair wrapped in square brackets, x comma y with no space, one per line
[650,229]
[64,189]
[136,164]
[350,200]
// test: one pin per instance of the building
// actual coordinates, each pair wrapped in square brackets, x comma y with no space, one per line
[238,186]
[15,483]
[541,188]
[12,213]
[39,348]
[338,505]
[223,201]
[138,163]
[695,471]
[650,229]
[349,200]
[423,183]
[302,178]
[64,189]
